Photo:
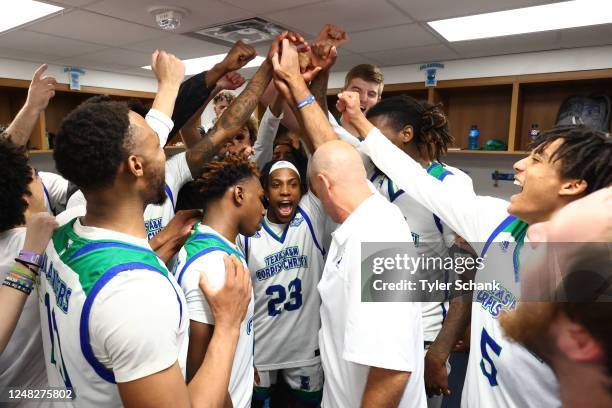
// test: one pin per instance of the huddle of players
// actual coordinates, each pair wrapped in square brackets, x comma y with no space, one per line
[118,327]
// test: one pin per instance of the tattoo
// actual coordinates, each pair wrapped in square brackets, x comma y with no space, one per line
[318,88]
[231,121]
[239,111]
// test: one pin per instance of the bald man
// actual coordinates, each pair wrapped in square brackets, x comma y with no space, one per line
[369,359]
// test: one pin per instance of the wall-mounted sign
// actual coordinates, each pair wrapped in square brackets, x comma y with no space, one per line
[74,76]
[430,72]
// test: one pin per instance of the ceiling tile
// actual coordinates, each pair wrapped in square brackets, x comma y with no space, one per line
[126,58]
[267,6]
[95,28]
[46,44]
[26,55]
[347,60]
[180,45]
[413,55]
[351,15]
[586,36]
[439,9]
[74,3]
[202,13]
[408,35]
[506,45]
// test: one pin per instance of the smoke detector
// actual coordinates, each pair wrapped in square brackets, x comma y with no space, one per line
[168,18]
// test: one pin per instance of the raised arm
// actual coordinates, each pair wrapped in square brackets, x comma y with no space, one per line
[289,80]
[195,91]
[41,90]
[236,115]
[264,144]
[471,216]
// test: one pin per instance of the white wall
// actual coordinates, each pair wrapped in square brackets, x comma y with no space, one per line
[575,59]
[24,70]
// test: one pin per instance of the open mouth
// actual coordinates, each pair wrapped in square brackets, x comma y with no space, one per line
[363,109]
[285,208]
[518,183]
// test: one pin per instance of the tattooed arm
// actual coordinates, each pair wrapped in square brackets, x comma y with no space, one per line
[231,121]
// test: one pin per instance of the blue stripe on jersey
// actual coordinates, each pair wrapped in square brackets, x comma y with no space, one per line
[86,349]
[246,249]
[443,312]
[206,251]
[496,232]
[280,239]
[170,195]
[442,176]
[438,223]
[314,238]
[393,195]
[105,244]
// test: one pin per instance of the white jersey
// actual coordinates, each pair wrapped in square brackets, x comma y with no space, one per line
[156,216]
[22,364]
[426,228]
[55,188]
[356,335]
[500,373]
[204,252]
[110,313]
[286,262]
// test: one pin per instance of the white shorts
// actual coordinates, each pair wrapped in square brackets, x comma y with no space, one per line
[306,383]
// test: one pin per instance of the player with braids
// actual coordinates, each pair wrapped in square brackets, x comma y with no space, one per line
[232,199]
[420,127]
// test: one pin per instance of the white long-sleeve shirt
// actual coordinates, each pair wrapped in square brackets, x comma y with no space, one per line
[500,373]
[264,144]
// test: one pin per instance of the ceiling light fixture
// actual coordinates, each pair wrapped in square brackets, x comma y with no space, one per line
[197,65]
[555,16]
[23,11]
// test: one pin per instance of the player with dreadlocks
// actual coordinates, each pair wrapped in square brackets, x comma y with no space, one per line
[232,200]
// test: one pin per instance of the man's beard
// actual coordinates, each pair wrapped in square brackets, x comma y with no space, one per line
[529,325]
[157,187]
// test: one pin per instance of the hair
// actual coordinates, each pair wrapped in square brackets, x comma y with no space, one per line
[253,125]
[300,166]
[137,106]
[224,96]
[367,72]
[14,183]
[585,154]
[429,123]
[218,176]
[92,141]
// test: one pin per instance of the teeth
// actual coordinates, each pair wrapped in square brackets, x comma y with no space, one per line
[517,183]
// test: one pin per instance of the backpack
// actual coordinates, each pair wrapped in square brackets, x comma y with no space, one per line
[592,111]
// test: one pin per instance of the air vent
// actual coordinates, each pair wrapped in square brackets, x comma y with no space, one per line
[251,31]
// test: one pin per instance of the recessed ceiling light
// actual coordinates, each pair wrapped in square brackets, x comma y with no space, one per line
[197,65]
[20,12]
[556,16]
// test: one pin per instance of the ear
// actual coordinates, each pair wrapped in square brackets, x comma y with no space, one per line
[577,344]
[134,166]
[573,188]
[325,182]
[406,134]
[238,195]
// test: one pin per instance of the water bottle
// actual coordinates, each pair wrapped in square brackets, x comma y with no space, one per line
[534,132]
[473,138]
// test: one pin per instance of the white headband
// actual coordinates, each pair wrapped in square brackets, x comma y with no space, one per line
[283,164]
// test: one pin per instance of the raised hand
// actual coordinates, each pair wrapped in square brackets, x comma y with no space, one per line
[231,81]
[41,90]
[168,69]
[238,56]
[287,66]
[294,38]
[39,228]
[229,303]
[332,35]
[323,55]
[348,105]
